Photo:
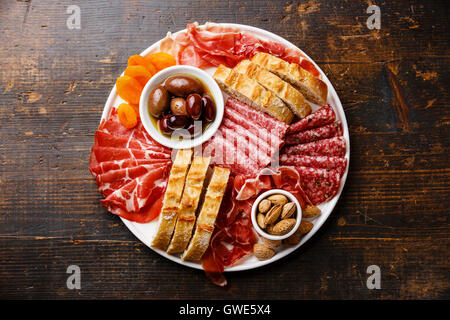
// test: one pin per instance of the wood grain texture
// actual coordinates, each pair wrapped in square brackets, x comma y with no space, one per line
[392,82]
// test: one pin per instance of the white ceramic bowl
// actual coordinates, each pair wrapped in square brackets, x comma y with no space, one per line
[266,194]
[161,76]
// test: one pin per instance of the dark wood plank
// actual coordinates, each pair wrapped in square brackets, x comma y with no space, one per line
[392,82]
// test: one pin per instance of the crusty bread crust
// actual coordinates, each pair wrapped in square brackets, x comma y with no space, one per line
[172,197]
[314,89]
[286,92]
[249,91]
[207,217]
[189,203]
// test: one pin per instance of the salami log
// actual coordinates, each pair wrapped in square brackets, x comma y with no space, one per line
[328,131]
[322,162]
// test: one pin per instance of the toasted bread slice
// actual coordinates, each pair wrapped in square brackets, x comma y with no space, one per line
[172,197]
[314,89]
[249,91]
[207,217]
[286,92]
[189,203]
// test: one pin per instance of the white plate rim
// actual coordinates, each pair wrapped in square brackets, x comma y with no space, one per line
[330,205]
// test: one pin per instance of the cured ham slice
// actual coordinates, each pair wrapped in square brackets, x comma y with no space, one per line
[115,179]
[213,45]
[138,193]
[327,147]
[110,153]
[320,185]
[104,139]
[106,166]
[321,117]
[328,131]
[322,162]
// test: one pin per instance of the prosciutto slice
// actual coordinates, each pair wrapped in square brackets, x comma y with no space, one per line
[213,45]
[110,153]
[104,139]
[138,193]
[115,179]
[106,166]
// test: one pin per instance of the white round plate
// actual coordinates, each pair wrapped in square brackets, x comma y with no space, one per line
[145,232]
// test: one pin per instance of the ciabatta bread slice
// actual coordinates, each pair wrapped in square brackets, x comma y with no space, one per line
[249,91]
[189,203]
[286,92]
[314,89]
[207,217]
[172,197]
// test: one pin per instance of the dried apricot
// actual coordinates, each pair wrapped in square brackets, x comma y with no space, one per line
[129,89]
[162,60]
[138,60]
[127,115]
[138,72]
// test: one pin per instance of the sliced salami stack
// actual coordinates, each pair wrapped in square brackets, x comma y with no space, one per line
[246,140]
[131,170]
[316,148]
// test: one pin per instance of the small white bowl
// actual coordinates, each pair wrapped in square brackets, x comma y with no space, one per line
[161,76]
[266,194]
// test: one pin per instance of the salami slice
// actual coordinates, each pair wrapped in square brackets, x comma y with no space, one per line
[321,117]
[320,185]
[138,193]
[327,147]
[110,153]
[262,119]
[107,166]
[115,179]
[104,139]
[323,162]
[328,131]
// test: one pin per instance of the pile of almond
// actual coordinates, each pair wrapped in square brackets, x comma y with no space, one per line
[277,216]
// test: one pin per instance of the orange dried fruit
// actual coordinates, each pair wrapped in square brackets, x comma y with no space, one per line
[129,89]
[127,115]
[138,72]
[138,60]
[162,60]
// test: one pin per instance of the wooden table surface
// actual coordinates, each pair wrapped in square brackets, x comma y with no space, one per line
[393,212]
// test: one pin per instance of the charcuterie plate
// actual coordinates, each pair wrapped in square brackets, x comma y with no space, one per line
[145,231]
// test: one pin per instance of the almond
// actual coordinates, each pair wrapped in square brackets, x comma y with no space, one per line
[311,212]
[262,252]
[284,226]
[288,210]
[264,206]
[269,229]
[292,240]
[271,243]
[278,199]
[305,227]
[273,214]
[260,220]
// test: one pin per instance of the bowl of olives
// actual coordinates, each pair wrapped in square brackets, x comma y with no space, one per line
[181,107]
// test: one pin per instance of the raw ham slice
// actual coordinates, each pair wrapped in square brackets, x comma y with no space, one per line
[321,117]
[213,45]
[320,185]
[322,162]
[106,166]
[327,147]
[104,139]
[328,131]
[110,153]
[265,121]
[138,193]
[115,179]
